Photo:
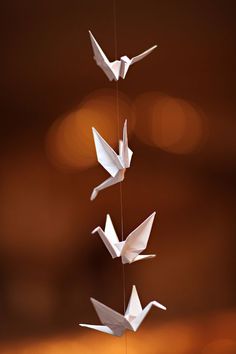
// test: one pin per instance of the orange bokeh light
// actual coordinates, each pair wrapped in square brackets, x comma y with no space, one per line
[70,141]
[171,124]
[187,336]
[176,126]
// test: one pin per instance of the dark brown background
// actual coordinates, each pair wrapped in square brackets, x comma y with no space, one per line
[49,263]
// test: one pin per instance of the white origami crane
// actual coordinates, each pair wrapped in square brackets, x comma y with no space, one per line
[114,164]
[114,323]
[117,68]
[134,244]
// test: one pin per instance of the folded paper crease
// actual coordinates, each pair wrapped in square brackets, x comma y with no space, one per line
[115,164]
[135,243]
[118,68]
[115,323]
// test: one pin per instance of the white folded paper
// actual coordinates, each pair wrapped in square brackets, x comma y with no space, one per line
[118,68]
[114,323]
[134,244]
[112,162]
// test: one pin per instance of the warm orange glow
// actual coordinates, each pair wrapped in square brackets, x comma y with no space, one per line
[70,141]
[175,125]
[181,107]
[175,337]
[143,106]
[220,346]
[172,124]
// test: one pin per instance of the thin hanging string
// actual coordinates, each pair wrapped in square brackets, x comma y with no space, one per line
[120,189]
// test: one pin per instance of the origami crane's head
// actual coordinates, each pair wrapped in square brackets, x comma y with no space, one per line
[125,64]
[125,59]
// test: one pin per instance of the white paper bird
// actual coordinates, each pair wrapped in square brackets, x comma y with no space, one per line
[118,68]
[134,244]
[114,323]
[112,162]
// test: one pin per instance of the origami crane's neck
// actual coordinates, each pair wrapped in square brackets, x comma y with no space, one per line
[136,321]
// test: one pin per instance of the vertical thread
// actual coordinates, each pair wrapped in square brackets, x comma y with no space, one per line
[120,189]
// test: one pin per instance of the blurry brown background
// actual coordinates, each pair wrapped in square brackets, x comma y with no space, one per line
[180,107]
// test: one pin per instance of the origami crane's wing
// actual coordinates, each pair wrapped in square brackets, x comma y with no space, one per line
[110,230]
[109,69]
[124,152]
[107,183]
[99,55]
[137,240]
[109,317]
[143,55]
[109,237]
[136,322]
[115,66]
[130,153]
[134,307]
[106,155]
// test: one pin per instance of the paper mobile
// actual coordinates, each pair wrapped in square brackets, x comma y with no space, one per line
[134,244]
[114,323]
[117,68]
[114,164]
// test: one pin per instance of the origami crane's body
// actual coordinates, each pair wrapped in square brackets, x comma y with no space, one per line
[134,244]
[114,323]
[114,163]
[118,68]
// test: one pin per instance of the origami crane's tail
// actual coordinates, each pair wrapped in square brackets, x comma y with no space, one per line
[143,256]
[103,329]
[105,238]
